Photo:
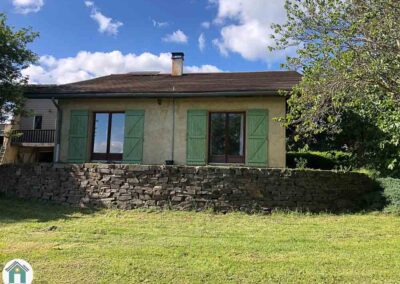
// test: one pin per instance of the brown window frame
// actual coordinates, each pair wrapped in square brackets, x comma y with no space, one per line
[226,159]
[105,156]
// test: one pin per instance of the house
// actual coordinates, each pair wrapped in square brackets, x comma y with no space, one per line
[30,138]
[17,273]
[177,118]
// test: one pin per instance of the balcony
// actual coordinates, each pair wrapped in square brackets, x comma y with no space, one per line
[33,138]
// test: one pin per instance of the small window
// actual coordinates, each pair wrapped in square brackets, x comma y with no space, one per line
[37,122]
[226,143]
[108,136]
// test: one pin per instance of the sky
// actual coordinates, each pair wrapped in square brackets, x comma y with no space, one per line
[82,39]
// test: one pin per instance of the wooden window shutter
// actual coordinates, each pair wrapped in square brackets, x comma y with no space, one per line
[78,136]
[134,137]
[257,137]
[196,142]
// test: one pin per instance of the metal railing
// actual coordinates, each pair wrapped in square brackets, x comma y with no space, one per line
[32,136]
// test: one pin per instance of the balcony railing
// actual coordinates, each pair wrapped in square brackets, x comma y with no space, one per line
[32,136]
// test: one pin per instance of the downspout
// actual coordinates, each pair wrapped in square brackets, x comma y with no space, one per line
[56,157]
[173,131]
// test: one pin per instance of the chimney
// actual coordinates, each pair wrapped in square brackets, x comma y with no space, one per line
[177,63]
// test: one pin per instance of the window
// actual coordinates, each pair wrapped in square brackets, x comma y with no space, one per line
[226,142]
[108,136]
[37,122]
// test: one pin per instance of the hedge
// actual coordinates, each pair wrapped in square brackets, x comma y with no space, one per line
[319,160]
[391,192]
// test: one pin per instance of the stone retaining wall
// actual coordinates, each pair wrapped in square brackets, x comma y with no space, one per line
[182,187]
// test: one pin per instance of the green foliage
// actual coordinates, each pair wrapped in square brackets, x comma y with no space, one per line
[14,56]
[391,191]
[349,54]
[332,160]
[372,173]
[300,162]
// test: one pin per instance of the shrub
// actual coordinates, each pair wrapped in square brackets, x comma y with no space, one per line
[391,191]
[331,160]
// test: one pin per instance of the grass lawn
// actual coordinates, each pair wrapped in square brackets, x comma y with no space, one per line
[111,246]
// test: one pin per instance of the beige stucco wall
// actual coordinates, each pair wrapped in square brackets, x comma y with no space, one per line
[43,107]
[159,117]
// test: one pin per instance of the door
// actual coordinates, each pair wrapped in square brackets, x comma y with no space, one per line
[227,137]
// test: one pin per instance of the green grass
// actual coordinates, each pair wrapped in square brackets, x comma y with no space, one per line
[111,246]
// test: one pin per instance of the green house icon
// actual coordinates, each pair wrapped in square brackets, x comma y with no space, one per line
[17,273]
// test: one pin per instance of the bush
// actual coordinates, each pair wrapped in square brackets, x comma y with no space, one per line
[391,191]
[331,160]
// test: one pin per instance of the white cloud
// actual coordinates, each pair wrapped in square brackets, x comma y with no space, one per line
[158,24]
[202,42]
[106,25]
[177,37]
[246,27]
[206,25]
[27,6]
[202,69]
[89,3]
[86,65]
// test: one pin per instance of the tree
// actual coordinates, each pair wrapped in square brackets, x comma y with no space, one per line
[349,54]
[14,57]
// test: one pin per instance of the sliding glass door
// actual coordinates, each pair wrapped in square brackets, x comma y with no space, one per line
[108,136]
[226,137]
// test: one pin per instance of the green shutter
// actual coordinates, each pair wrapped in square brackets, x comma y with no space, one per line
[78,136]
[196,148]
[257,137]
[134,136]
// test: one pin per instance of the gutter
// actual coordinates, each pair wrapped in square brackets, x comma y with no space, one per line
[161,95]
[56,157]
[173,131]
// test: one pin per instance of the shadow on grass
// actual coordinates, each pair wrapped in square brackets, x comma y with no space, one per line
[15,210]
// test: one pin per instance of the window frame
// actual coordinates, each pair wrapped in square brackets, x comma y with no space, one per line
[105,156]
[226,159]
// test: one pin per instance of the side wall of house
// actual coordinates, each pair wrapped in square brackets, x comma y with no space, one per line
[159,123]
[41,107]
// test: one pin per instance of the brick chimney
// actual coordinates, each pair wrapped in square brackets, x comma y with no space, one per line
[177,63]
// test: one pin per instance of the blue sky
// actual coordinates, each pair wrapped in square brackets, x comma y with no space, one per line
[83,39]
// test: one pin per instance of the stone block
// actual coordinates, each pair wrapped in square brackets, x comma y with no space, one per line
[104,171]
[124,197]
[132,180]
[176,198]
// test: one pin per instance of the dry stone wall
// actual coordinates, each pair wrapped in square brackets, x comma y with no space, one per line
[184,187]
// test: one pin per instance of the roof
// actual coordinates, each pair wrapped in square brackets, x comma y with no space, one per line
[16,263]
[142,84]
